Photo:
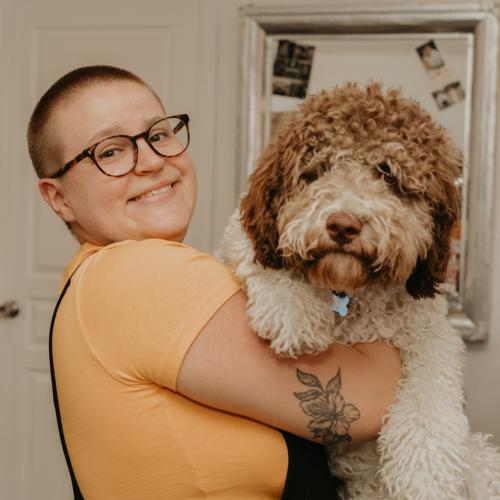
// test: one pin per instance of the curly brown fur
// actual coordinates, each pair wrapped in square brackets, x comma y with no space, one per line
[341,137]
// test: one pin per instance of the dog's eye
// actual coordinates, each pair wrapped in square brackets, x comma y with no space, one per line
[385,170]
[309,176]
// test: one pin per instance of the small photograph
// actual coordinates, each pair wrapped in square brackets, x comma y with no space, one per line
[450,94]
[292,69]
[442,99]
[430,56]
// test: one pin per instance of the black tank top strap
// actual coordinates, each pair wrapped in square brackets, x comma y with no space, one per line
[76,489]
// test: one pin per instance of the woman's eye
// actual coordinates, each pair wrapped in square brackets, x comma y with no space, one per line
[108,153]
[386,172]
[159,136]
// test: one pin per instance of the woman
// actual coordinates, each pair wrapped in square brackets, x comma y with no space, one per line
[163,389]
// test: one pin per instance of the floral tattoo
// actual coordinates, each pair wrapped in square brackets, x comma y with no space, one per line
[331,416]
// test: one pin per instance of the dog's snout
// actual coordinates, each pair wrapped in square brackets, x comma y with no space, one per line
[343,227]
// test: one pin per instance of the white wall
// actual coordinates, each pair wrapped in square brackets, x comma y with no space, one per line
[483,360]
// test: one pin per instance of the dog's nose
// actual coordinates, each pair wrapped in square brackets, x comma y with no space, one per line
[342,227]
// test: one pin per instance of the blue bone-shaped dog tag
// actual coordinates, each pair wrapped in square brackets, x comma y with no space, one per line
[340,303]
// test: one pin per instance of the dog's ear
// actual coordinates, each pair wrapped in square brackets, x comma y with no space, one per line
[259,207]
[430,272]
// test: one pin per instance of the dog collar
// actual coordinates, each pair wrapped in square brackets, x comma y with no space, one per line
[340,303]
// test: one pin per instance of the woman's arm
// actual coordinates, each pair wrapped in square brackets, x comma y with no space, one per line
[342,392]
[146,335]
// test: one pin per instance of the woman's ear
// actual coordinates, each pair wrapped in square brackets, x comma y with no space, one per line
[54,195]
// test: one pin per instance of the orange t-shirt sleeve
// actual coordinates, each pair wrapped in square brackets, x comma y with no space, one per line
[141,305]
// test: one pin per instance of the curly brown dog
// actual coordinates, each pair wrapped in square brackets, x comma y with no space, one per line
[397,160]
[357,194]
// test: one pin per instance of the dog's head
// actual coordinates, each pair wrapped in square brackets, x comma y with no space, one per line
[357,187]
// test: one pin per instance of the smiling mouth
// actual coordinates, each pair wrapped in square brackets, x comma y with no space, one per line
[154,192]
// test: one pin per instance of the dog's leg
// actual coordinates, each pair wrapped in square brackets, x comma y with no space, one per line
[289,312]
[283,308]
[423,440]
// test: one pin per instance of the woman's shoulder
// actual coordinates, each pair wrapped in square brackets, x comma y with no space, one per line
[133,263]
[148,252]
[151,246]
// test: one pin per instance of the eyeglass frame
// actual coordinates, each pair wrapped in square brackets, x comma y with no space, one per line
[89,152]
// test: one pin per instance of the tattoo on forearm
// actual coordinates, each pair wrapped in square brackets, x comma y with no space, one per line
[331,416]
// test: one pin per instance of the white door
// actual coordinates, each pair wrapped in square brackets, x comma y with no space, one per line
[41,40]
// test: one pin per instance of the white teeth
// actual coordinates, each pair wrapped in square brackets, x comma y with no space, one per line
[165,189]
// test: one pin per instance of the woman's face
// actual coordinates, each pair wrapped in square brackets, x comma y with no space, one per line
[103,209]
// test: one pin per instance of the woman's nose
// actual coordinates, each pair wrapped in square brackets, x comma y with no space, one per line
[147,159]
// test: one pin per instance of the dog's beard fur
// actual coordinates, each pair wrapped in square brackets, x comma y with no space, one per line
[338,271]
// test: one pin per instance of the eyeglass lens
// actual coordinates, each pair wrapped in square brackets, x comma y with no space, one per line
[117,155]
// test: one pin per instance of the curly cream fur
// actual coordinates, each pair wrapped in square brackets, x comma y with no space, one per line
[325,162]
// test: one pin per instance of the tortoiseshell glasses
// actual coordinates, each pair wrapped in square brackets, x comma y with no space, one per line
[117,156]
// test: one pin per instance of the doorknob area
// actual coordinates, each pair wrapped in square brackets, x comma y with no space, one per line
[9,309]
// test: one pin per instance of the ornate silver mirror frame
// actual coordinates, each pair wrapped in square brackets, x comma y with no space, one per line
[470,313]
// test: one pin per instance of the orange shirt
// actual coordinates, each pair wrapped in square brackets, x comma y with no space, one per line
[121,333]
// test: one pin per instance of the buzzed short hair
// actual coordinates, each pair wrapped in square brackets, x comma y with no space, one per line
[42,147]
